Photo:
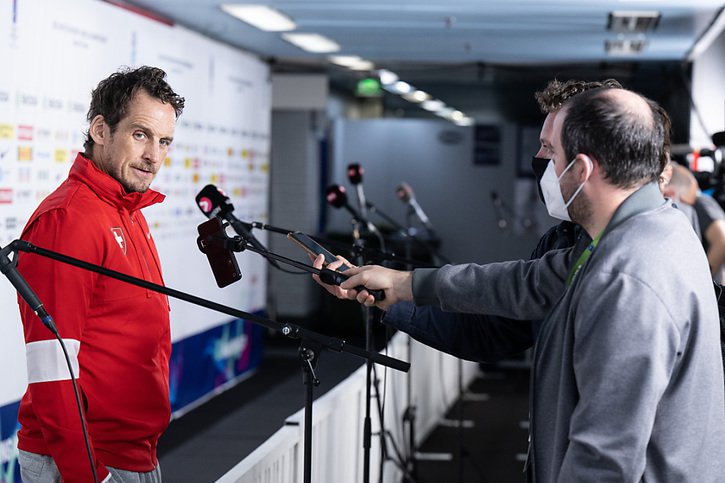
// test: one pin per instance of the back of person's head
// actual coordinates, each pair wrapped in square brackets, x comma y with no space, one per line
[557,93]
[112,96]
[682,185]
[622,130]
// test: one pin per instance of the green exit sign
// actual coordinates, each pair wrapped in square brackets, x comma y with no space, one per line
[368,87]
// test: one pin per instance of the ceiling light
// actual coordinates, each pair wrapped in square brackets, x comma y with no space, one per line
[445,112]
[387,77]
[315,43]
[624,46]
[622,21]
[465,121]
[402,87]
[416,96]
[353,62]
[433,105]
[260,16]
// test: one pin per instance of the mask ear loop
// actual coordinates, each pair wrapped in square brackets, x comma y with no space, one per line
[591,163]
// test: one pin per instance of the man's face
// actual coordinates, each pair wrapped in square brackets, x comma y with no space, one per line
[580,208]
[545,137]
[134,152]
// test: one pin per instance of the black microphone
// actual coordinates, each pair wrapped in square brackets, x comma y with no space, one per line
[355,175]
[337,197]
[10,270]
[213,202]
[405,193]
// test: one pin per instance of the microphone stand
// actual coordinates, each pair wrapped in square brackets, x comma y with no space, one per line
[311,343]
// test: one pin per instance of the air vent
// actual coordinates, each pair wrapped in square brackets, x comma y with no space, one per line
[624,46]
[633,21]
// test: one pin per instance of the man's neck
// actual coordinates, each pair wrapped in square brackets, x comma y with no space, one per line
[603,206]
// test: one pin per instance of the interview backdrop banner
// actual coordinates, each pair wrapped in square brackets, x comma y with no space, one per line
[53,54]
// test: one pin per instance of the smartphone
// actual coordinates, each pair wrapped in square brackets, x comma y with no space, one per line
[313,248]
[212,242]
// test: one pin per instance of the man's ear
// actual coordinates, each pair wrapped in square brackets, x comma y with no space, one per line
[98,129]
[588,166]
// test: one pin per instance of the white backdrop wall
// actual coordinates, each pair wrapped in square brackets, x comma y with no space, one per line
[708,94]
[53,54]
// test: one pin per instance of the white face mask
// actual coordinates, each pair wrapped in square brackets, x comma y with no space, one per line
[551,189]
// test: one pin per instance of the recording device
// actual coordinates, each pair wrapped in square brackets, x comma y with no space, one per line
[214,243]
[355,175]
[708,165]
[314,249]
[214,203]
[337,197]
[405,193]
[330,277]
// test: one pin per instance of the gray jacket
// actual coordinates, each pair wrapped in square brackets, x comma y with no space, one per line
[627,372]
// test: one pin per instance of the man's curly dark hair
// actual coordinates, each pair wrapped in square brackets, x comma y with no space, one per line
[556,93]
[113,95]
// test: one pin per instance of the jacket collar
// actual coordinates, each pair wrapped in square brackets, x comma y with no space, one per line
[110,190]
[646,198]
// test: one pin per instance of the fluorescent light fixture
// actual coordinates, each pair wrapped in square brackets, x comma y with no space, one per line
[416,96]
[314,43]
[260,16]
[624,46]
[344,60]
[402,87]
[445,112]
[387,77]
[432,105]
[352,62]
[633,21]
[466,121]
[456,116]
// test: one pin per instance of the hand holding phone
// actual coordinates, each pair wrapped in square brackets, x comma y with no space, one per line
[330,277]
[314,249]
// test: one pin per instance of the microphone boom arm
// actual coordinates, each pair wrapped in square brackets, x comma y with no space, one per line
[290,330]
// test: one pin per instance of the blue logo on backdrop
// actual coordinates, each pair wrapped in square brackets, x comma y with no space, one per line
[9,468]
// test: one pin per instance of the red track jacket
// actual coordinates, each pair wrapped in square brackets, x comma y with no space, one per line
[117,334]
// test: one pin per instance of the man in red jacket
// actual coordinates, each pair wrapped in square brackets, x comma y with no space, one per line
[117,334]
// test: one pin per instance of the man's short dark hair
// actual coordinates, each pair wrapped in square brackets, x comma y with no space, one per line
[113,94]
[627,144]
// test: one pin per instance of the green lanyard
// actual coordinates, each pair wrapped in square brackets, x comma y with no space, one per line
[583,259]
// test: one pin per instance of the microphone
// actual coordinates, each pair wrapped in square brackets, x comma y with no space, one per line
[405,193]
[212,242]
[10,270]
[337,197]
[213,202]
[498,211]
[354,175]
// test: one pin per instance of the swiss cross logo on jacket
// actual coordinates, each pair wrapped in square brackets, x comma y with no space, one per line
[120,238]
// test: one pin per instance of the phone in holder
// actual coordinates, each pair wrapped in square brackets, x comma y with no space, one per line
[212,242]
[314,249]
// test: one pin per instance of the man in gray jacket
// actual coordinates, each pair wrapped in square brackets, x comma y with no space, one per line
[627,372]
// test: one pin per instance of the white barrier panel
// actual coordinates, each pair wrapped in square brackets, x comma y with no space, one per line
[338,418]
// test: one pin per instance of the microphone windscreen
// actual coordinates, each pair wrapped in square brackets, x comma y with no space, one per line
[404,192]
[336,196]
[355,173]
[212,201]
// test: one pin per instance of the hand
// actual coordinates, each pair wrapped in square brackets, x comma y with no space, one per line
[398,285]
[335,290]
